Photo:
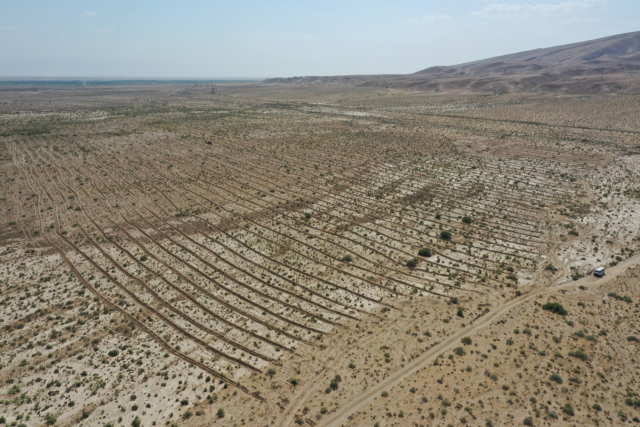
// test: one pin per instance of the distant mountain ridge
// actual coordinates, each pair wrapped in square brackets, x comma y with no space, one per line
[602,65]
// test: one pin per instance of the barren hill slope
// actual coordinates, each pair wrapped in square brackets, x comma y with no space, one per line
[603,65]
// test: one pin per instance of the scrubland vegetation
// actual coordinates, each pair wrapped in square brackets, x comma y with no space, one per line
[324,241]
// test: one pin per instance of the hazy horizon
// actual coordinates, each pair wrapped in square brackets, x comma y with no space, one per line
[163,40]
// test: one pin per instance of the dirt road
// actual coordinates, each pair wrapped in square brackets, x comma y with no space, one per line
[360,401]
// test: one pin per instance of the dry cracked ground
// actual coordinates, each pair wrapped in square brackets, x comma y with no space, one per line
[286,255]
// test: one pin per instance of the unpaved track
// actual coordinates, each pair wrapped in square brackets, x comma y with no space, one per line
[363,399]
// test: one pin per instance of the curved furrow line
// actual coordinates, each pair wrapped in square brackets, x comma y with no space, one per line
[115,307]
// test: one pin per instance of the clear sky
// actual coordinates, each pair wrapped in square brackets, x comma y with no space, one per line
[244,38]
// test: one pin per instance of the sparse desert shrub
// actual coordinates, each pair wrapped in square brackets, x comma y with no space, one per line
[597,407]
[528,421]
[220,413]
[425,252]
[550,267]
[459,351]
[632,402]
[466,340]
[555,307]
[460,312]
[347,258]
[620,297]
[412,263]
[556,378]
[50,418]
[568,409]
[579,354]
[445,235]
[466,220]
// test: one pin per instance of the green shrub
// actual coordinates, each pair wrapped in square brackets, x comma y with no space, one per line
[555,307]
[550,267]
[579,354]
[113,353]
[412,263]
[597,407]
[466,220]
[50,418]
[632,402]
[445,235]
[568,409]
[425,252]
[556,378]
[459,351]
[528,421]
[466,340]
[220,413]
[620,297]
